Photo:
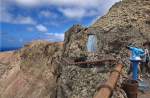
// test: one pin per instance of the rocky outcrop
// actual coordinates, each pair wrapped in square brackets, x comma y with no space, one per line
[42,73]
[126,22]
[9,57]
[75,41]
[36,74]
[77,82]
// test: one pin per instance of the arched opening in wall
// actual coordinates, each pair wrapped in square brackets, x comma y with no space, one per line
[91,43]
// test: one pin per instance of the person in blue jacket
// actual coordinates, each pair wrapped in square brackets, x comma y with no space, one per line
[135,58]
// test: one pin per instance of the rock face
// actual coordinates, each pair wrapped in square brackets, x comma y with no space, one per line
[35,75]
[77,82]
[75,41]
[7,59]
[42,73]
[126,22]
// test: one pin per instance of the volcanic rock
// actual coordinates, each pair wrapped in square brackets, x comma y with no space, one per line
[36,74]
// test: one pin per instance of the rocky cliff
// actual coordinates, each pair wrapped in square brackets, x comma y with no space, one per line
[35,74]
[41,72]
[75,41]
[126,22]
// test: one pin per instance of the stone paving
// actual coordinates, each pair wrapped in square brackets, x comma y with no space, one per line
[145,94]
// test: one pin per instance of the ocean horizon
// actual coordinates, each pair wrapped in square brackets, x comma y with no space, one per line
[4,49]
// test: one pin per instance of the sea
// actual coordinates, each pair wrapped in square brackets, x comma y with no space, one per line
[4,49]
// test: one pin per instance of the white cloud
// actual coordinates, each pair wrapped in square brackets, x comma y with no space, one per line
[28,2]
[53,37]
[73,12]
[4,15]
[69,8]
[45,13]
[83,8]
[104,9]
[7,17]
[23,20]
[78,12]
[75,9]
[78,3]
[41,28]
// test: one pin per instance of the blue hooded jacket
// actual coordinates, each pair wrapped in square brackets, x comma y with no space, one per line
[137,53]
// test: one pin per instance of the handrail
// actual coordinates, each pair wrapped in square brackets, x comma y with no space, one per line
[106,89]
[89,62]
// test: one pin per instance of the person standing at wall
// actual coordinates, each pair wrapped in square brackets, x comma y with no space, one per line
[146,58]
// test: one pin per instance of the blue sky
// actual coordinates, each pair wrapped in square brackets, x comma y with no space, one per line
[22,21]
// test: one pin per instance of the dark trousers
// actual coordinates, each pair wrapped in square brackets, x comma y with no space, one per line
[145,65]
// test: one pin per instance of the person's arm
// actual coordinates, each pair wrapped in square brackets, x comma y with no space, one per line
[142,52]
[146,51]
[130,48]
